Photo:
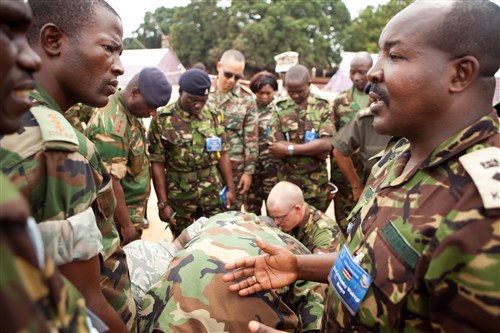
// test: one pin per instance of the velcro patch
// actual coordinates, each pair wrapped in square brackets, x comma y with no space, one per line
[484,168]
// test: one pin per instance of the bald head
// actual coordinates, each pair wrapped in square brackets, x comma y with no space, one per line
[362,58]
[298,74]
[284,195]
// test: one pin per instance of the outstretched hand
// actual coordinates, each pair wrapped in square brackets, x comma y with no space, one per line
[274,269]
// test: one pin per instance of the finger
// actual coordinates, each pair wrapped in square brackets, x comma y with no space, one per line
[266,247]
[244,272]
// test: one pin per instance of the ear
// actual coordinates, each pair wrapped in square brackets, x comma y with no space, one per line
[51,39]
[135,92]
[219,65]
[465,72]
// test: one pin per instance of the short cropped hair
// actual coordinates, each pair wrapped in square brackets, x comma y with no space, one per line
[68,15]
[262,79]
[232,54]
[471,28]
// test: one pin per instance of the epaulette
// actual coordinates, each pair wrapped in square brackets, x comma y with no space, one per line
[364,113]
[57,132]
[483,166]
[119,124]
[246,90]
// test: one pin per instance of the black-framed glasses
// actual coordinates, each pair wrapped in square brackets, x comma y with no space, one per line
[282,217]
[229,75]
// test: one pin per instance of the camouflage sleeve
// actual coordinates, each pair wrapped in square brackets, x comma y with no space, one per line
[326,127]
[112,148]
[463,275]
[307,298]
[275,133]
[326,236]
[156,151]
[251,137]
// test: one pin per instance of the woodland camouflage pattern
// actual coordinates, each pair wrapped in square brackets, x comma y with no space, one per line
[191,296]
[264,177]
[177,139]
[240,119]
[120,139]
[33,298]
[309,173]
[61,179]
[320,233]
[78,115]
[429,244]
[344,109]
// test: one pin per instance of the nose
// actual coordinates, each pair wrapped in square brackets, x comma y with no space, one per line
[117,67]
[28,59]
[375,74]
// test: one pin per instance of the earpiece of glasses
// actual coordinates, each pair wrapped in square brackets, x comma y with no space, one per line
[229,75]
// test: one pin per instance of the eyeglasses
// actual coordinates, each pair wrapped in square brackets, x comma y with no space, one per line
[282,217]
[229,75]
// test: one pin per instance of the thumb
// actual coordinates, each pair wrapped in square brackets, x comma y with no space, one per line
[266,247]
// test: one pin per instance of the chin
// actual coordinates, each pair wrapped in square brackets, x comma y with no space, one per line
[8,126]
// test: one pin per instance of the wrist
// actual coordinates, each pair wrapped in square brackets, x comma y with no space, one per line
[162,204]
[290,150]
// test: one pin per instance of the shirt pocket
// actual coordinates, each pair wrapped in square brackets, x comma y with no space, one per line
[138,158]
[289,123]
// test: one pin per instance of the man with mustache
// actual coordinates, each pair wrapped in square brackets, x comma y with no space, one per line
[423,252]
[33,294]
[57,169]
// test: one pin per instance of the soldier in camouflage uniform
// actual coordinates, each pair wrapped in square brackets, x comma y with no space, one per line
[33,294]
[264,86]
[318,232]
[59,171]
[79,116]
[191,296]
[120,137]
[189,154]
[300,135]
[238,109]
[345,107]
[425,232]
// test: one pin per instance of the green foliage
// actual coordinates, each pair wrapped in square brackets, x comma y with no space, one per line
[318,29]
[366,28]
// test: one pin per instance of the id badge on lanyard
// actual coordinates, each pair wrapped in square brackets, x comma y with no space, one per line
[214,144]
[349,280]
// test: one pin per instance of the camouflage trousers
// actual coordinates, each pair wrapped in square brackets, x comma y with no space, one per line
[193,195]
[115,279]
[263,181]
[239,199]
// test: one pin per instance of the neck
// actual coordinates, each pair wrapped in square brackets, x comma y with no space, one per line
[51,85]
[305,217]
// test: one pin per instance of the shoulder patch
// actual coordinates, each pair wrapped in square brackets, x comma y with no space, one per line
[483,166]
[54,126]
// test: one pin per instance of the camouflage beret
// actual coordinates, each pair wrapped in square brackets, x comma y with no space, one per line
[154,87]
[195,82]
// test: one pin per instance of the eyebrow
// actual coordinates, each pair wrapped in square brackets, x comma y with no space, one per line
[390,44]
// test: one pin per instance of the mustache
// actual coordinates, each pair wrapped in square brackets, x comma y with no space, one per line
[383,95]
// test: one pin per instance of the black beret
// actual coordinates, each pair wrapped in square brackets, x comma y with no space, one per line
[194,81]
[154,87]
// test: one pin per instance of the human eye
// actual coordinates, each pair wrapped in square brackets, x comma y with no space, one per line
[395,57]
[109,48]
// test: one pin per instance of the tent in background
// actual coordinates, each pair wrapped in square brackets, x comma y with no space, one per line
[165,59]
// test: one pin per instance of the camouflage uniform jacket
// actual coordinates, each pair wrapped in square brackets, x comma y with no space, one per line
[430,244]
[320,233]
[359,133]
[290,123]
[78,115]
[344,108]
[120,139]
[191,296]
[266,167]
[63,177]
[178,139]
[240,118]
[34,296]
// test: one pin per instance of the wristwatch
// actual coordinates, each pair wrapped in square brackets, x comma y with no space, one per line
[162,204]
[290,150]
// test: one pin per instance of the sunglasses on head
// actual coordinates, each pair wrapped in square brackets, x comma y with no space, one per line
[229,75]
